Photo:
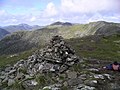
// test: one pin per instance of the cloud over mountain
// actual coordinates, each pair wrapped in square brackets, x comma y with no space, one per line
[48,11]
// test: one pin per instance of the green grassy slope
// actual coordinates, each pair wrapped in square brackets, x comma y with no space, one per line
[99,47]
[11,59]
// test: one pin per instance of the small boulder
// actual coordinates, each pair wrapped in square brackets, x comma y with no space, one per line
[11,82]
[72,74]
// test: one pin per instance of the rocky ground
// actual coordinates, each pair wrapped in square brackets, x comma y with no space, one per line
[56,67]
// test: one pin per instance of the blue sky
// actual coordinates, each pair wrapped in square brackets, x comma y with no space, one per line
[43,12]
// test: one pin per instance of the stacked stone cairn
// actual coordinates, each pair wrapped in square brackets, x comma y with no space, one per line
[57,57]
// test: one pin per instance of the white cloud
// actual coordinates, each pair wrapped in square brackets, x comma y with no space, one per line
[50,10]
[52,19]
[76,11]
[2,12]
[87,6]
[99,17]
[33,19]
[14,20]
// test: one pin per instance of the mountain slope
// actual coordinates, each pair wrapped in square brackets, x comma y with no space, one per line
[3,33]
[81,30]
[108,30]
[20,27]
[97,46]
[25,40]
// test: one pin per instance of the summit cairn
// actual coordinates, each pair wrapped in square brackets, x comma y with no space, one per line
[58,53]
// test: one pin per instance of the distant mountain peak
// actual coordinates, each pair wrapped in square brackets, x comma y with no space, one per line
[57,23]
[99,22]
[22,24]
[21,27]
[61,23]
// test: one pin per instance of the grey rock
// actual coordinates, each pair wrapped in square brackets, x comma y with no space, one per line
[53,87]
[40,67]
[0,82]
[70,63]
[91,82]
[52,69]
[7,69]
[63,68]
[47,87]
[47,66]
[28,77]
[63,75]
[5,80]
[2,77]
[98,76]
[29,84]
[72,74]
[11,82]
[74,81]
[65,83]
[12,76]
[83,76]
[50,50]
[69,59]
[93,69]
[33,82]
[108,76]
[20,76]
[55,68]
[84,87]
[3,73]
[12,71]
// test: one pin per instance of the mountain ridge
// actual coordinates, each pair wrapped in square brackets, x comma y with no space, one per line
[61,23]
[3,33]
[21,27]
[25,40]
